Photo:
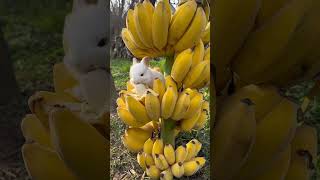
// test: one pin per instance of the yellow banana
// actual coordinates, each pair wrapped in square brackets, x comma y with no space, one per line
[42,102]
[276,138]
[129,42]
[198,54]
[159,87]
[205,37]
[161,162]
[171,82]
[148,145]
[266,46]
[188,123]
[169,154]
[196,74]
[198,146]
[181,65]
[121,103]
[157,147]
[153,172]
[207,54]
[201,160]
[177,169]
[182,106]
[130,86]
[143,24]
[134,138]
[160,24]
[191,150]
[166,175]
[230,32]
[148,7]
[168,102]
[205,78]
[202,120]
[131,26]
[141,160]
[191,92]
[33,130]
[149,159]
[233,137]
[195,106]
[191,167]
[279,168]
[85,137]
[181,20]
[128,118]
[43,163]
[181,154]
[191,37]
[152,105]
[137,109]
[62,78]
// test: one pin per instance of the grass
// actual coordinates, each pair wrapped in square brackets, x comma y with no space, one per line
[123,163]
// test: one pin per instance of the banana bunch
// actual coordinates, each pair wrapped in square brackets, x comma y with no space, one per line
[191,67]
[154,31]
[257,136]
[63,135]
[247,51]
[162,161]
[165,101]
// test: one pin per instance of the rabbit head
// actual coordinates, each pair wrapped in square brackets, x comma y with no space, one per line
[85,36]
[140,72]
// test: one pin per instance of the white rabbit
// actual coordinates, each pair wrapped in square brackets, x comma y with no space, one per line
[141,73]
[85,37]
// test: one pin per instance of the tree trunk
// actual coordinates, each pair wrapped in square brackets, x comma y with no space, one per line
[9,87]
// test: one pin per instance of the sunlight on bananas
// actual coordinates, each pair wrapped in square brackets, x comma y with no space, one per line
[156,31]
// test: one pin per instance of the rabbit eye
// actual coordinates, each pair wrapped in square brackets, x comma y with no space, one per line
[102,42]
[141,74]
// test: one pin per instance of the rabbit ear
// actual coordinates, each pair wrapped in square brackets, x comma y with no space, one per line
[135,61]
[102,3]
[146,60]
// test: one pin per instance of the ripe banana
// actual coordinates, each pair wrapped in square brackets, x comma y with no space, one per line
[137,109]
[276,138]
[196,74]
[201,160]
[130,44]
[207,54]
[230,32]
[63,78]
[191,150]
[148,145]
[181,65]
[233,137]
[160,162]
[202,120]
[169,154]
[171,82]
[33,130]
[188,123]
[159,87]
[134,138]
[131,27]
[166,175]
[92,151]
[267,46]
[44,163]
[153,172]
[121,103]
[182,106]
[128,118]
[191,167]
[157,147]
[195,106]
[198,54]
[177,169]
[205,37]
[143,24]
[198,146]
[149,159]
[141,160]
[192,35]
[152,105]
[160,24]
[181,20]
[181,154]
[168,102]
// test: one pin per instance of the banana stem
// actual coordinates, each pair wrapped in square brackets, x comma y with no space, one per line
[168,125]
[167,131]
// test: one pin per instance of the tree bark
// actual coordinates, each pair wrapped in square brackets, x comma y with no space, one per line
[9,88]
